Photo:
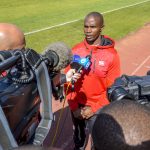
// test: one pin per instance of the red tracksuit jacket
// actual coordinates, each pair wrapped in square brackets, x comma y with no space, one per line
[91,88]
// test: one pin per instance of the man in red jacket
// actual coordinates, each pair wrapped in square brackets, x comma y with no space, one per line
[89,93]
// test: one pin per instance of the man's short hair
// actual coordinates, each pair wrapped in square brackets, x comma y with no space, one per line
[122,125]
[96,15]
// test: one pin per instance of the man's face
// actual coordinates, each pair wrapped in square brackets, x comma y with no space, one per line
[92,29]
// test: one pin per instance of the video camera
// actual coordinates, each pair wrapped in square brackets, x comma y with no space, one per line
[131,87]
[25,84]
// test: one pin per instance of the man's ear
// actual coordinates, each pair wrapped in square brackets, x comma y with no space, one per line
[103,26]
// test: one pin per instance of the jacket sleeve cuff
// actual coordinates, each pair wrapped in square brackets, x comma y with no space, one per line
[59,79]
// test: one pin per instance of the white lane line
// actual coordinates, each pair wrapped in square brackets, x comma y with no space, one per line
[62,24]
[47,28]
[140,66]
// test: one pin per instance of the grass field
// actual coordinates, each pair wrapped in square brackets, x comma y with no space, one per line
[36,15]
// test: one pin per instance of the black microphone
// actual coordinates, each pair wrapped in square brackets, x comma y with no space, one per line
[78,63]
[59,55]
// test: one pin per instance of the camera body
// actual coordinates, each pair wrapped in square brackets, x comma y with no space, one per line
[25,84]
[21,104]
[131,87]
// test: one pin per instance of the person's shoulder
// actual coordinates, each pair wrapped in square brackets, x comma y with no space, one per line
[108,37]
[111,47]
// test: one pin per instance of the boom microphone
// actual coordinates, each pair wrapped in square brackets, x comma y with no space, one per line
[59,55]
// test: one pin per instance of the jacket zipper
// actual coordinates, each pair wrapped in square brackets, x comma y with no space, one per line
[94,65]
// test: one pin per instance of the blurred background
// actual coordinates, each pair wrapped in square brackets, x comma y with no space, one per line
[48,21]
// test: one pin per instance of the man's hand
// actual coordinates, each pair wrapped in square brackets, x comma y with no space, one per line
[83,113]
[87,112]
[72,75]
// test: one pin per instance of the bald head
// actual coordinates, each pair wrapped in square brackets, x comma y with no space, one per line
[11,37]
[122,125]
[98,17]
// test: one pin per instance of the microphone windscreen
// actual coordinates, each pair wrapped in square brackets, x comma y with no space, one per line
[63,52]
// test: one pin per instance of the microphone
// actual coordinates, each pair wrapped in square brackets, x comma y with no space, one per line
[59,55]
[79,63]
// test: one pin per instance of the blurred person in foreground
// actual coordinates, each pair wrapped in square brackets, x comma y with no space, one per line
[12,38]
[122,125]
[89,94]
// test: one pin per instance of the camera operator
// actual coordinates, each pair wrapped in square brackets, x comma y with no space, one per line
[122,125]
[12,38]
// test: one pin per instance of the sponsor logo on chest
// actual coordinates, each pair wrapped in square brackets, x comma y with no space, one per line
[101,63]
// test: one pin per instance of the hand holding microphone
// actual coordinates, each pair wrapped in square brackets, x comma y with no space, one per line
[73,75]
[78,63]
[59,56]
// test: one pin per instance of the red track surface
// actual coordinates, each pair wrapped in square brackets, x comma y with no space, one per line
[134,51]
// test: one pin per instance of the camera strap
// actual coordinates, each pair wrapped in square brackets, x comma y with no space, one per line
[45,92]
[7,139]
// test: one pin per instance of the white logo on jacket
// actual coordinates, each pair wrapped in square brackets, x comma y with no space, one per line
[101,63]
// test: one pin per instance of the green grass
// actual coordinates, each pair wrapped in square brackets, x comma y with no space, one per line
[36,14]
[122,22]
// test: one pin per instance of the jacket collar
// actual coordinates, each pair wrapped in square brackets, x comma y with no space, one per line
[106,43]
